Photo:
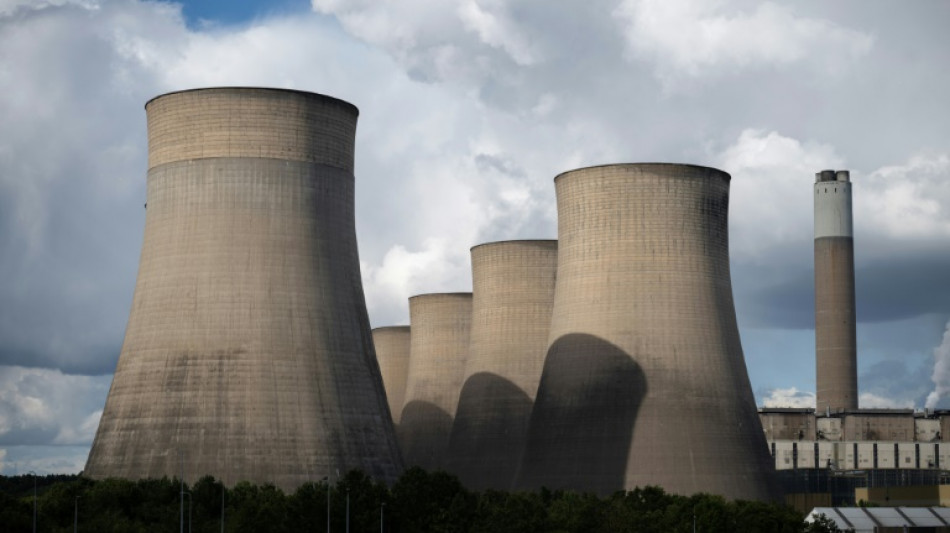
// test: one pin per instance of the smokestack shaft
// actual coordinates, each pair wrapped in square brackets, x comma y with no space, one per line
[835,320]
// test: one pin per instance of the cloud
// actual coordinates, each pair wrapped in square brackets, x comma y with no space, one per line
[790,397]
[440,266]
[39,406]
[43,460]
[869,400]
[941,372]
[907,202]
[768,170]
[694,38]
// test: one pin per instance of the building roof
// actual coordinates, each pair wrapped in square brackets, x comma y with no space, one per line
[865,519]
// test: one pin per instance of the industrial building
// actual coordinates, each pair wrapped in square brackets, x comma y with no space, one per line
[644,381]
[839,451]
[512,299]
[392,352]
[605,360]
[248,353]
[440,325]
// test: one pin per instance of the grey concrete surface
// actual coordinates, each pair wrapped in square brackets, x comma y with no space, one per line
[441,325]
[392,351]
[248,353]
[644,381]
[513,295]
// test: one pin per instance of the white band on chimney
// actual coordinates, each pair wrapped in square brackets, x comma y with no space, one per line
[833,209]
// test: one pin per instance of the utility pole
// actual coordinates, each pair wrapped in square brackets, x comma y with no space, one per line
[34,500]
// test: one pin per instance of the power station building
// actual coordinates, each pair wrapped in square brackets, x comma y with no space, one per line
[440,325]
[602,361]
[512,300]
[644,381]
[248,352]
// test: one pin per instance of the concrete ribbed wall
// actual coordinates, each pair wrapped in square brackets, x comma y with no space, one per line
[441,325]
[513,293]
[248,353]
[835,317]
[392,352]
[644,381]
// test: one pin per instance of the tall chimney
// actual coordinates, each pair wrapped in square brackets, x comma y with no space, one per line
[835,333]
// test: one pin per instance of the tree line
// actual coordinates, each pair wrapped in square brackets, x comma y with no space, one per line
[419,502]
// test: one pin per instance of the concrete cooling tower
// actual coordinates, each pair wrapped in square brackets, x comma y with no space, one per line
[513,293]
[248,352]
[644,381]
[392,352]
[835,320]
[440,325]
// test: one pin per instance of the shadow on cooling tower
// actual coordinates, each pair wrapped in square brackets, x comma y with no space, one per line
[423,435]
[582,423]
[489,433]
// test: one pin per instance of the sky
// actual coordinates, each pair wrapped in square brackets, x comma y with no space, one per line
[468,109]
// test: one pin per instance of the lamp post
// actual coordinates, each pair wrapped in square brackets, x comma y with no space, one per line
[76,517]
[223,490]
[382,508]
[34,499]
[181,496]
[347,510]
[327,478]
[190,500]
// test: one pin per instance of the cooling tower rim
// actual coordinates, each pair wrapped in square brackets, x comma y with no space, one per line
[644,164]
[388,328]
[514,241]
[309,94]
[433,294]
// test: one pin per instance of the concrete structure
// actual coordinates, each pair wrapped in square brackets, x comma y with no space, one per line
[644,381]
[248,353]
[835,333]
[440,325]
[392,352]
[513,294]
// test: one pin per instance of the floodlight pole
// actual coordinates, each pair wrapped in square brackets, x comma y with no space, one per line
[34,500]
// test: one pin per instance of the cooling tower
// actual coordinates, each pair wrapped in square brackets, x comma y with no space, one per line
[248,352]
[644,381]
[513,293]
[440,325]
[835,321]
[392,352]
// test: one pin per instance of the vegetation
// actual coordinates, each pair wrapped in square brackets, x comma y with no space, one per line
[419,502]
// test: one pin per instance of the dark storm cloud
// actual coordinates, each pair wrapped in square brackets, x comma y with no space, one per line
[908,284]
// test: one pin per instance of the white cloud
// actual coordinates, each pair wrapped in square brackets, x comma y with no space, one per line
[790,397]
[81,433]
[941,372]
[693,38]
[8,7]
[771,194]
[39,406]
[869,400]
[906,202]
[488,18]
